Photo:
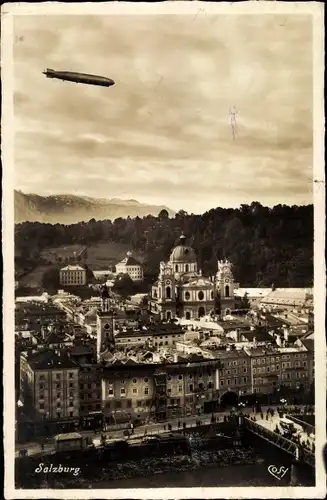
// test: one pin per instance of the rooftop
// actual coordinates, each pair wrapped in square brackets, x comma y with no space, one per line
[49,360]
[72,268]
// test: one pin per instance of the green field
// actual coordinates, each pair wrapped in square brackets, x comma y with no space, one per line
[63,252]
[99,256]
[102,255]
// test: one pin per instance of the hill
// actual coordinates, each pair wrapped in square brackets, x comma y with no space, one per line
[69,209]
[265,245]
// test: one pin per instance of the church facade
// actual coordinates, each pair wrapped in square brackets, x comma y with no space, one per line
[181,290]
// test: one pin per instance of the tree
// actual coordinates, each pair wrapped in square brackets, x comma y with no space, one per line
[50,279]
[124,285]
[245,303]
[163,214]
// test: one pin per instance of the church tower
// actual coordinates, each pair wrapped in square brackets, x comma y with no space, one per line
[225,286]
[105,325]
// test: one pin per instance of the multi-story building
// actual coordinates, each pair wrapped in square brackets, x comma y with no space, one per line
[273,368]
[129,265]
[146,391]
[72,276]
[234,378]
[90,376]
[50,389]
[182,291]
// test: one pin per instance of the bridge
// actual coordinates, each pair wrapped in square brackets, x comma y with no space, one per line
[263,431]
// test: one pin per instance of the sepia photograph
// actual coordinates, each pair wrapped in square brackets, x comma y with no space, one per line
[164,233]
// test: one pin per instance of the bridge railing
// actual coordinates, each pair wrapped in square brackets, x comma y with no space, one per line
[308,428]
[281,442]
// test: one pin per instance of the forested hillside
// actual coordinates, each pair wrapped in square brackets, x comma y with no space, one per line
[265,245]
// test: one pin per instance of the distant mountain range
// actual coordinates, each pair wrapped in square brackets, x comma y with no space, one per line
[69,209]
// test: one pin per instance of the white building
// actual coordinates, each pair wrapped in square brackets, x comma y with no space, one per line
[72,276]
[129,265]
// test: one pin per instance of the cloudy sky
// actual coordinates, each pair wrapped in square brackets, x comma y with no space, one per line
[163,133]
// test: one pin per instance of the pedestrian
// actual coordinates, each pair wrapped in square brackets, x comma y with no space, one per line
[261,416]
[184,425]
[42,447]
[179,424]
[267,416]
[164,427]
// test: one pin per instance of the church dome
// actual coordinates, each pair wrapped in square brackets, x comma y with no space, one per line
[182,252]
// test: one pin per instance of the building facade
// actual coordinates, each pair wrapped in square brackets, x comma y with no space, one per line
[72,276]
[129,265]
[182,291]
[146,391]
[50,388]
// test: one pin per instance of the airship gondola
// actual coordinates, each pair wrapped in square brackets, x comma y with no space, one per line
[85,78]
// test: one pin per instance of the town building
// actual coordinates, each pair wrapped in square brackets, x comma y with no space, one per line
[182,291]
[288,298]
[72,276]
[131,266]
[146,391]
[49,389]
[90,376]
[274,368]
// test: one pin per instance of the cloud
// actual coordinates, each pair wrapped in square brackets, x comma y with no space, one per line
[163,134]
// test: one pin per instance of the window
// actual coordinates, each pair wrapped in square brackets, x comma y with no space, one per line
[71,385]
[41,406]
[190,376]
[201,295]
[41,395]
[134,391]
[277,367]
[146,391]
[146,380]
[210,385]
[245,370]
[180,388]
[41,377]
[58,376]
[186,268]
[58,414]
[180,377]
[110,391]
[71,403]
[134,380]
[221,382]
[71,414]
[71,375]
[57,386]
[191,387]
[235,381]
[58,395]
[41,386]
[187,295]
[58,405]
[245,379]
[228,381]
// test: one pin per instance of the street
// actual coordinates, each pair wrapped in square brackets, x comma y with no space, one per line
[34,448]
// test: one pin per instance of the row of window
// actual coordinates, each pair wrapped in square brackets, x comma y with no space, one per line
[243,380]
[58,386]
[58,395]
[41,405]
[58,376]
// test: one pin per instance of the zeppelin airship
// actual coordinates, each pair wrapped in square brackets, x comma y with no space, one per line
[85,78]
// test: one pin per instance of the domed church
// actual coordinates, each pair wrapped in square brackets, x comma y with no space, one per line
[181,290]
